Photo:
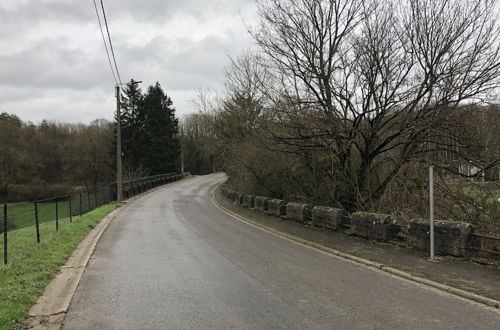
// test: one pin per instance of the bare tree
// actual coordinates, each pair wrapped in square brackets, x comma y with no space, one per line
[372,83]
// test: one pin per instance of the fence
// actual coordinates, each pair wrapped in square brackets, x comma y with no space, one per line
[63,210]
[486,244]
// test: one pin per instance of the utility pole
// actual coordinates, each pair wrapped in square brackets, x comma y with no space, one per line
[182,155]
[119,171]
[118,147]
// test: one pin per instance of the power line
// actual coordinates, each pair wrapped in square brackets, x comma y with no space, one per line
[110,43]
[105,45]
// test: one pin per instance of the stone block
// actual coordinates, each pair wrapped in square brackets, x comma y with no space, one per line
[238,198]
[298,211]
[276,207]
[231,194]
[260,203]
[450,238]
[248,201]
[328,217]
[374,226]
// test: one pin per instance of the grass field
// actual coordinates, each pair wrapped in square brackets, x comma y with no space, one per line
[23,214]
[32,266]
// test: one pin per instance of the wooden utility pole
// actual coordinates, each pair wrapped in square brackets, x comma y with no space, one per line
[182,155]
[118,147]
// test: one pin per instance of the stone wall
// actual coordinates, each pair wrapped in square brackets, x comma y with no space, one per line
[298,212]
[260,203]
[231,195]
[374,226]
[238,198]
[276,207]
[450,238]
[248,201]
[329,217]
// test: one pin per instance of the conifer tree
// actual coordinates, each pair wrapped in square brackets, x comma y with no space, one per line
[131,125]
[149,130]
[161,147]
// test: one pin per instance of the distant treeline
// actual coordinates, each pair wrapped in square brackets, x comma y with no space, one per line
[51,158]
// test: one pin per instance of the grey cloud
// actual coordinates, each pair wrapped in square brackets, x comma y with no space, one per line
[37,11]
[187,65]
[163,10]
[51,64]
[65,75]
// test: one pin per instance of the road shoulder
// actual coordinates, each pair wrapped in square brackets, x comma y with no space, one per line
[49,310]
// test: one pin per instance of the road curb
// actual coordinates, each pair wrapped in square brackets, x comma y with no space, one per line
[390,270]
[50,309]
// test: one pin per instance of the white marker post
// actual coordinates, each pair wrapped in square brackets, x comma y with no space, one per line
[431,208]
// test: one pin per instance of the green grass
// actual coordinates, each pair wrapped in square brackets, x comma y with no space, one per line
[32,266]
[23,215]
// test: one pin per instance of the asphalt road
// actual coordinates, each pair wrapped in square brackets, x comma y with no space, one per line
[173,260]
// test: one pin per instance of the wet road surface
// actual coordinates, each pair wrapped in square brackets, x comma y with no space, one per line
[173,260]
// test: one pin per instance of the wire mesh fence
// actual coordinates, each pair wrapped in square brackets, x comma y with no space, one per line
[52,214]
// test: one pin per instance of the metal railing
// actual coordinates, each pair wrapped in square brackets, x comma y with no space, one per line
[63,210]
[486,243]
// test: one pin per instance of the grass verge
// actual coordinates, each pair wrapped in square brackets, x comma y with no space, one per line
[32,266]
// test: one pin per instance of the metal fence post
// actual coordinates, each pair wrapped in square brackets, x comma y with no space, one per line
[5,233]
[81,212]
[70,210]
[88,201]
[95,199]
[431,209]
[57,216]
[37,224]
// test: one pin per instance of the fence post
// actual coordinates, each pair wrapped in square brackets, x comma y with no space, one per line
[37,224]
[57,215]
[88,201]
[70,210]
[81,212]
[5,233]
[95,199]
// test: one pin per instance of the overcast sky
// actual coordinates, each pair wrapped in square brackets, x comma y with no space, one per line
[53,64]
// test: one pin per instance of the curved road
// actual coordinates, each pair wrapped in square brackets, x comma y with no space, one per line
[172,260]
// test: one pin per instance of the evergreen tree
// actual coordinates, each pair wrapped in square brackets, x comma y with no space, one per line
[132,119]
[149,131]
[161,147]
